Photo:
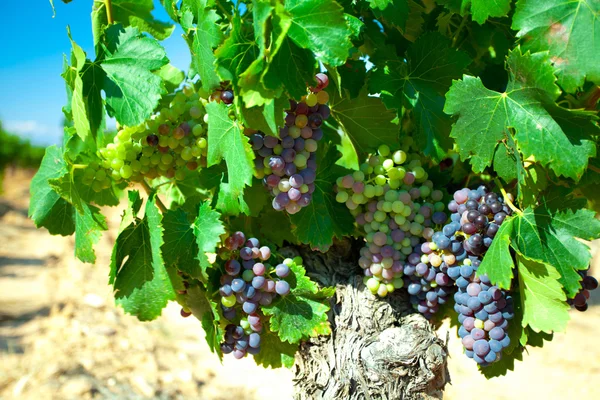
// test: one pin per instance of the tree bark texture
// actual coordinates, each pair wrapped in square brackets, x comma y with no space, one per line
[378,348]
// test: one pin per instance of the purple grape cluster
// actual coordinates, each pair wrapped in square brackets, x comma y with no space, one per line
[288,164]
[248,283]
[483,312]
[588,283]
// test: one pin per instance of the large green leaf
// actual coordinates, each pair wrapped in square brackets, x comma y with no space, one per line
[481,9]
[207,229]
[567,29]
[542,297]
[542,131]
[180,249]
[364,119]
[137,272]
[275,353]
[420,83]
[498,263]
[227,141]
[46,207]
[319,25]
[132,90]
[302,313]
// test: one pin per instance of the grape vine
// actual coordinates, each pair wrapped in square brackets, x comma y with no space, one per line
[420,102]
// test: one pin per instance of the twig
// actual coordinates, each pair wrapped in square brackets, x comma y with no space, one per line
[150,191]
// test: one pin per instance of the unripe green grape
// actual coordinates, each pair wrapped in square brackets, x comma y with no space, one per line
[399,219]
[351,205]
[163,141]
[358,198]
[126,171]
[368,229]
[201,143]
[300,161]
[115,175]
[155,158]
[439,206]
[198,130]
[358,176]
[304,188]
[375,225]
[195,112]
[180,162]
[380,180]
[395,183]
[379,216]
[294,132]
[205,118]
[100,175]
[89,173]
[397,207]
[341,197]
[278,149]
[196,151]
[419,173]
[372,285]
[166,159]
[173,143]
[399,157]
[369,191]
[186,154]
[145,161]
[366,169]
[106,184]
[379,170]
[419,218]
[387,206]
[388,164]
[384,228]
[136,166]
[97,186]
[379,190]
[131,155]
[425,191]
[383,150]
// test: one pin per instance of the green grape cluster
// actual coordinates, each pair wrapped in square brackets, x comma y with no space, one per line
[164,146]
[395,207]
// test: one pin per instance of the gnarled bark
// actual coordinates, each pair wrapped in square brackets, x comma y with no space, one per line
[378,349]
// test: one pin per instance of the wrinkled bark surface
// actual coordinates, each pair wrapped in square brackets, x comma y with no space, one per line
[378,349]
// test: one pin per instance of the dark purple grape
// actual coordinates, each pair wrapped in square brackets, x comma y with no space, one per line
[152,140]
[227,96]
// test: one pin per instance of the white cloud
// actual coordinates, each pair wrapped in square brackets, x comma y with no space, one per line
[35,131]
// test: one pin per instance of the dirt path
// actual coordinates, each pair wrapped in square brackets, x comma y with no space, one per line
[61,337]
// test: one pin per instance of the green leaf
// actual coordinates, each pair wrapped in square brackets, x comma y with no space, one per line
[136,13]
[46,208]
[485,116]
[237,53]
[364,119]
[542,297]
[567,29]
[180,249]
[276,229]
[394,12]
[481,9]
[275,353]
[171,76]
[132,90]
[302,313]
[207,312]
[549,236]
[353,75]
[323,218]
[206,38]
[319,25]
[420,84]
[88,227]
[207,228]
[138,274]
[498,263]
[227,141]
[266,118]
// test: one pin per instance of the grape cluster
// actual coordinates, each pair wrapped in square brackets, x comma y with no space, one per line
[395,206]
[456,251]
[288,164]
[588,283]
[248,283]
[166,145]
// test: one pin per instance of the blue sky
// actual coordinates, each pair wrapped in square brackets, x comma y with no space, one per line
[32,91]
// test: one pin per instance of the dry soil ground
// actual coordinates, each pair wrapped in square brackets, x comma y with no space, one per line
[61,337]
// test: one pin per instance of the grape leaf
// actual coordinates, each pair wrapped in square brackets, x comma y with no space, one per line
[420,83]
[484,117]
[481,9]
[46,207]
[352,76]
[324,218]
[137,272]
[88,227]
[171,76]
[206,37]
[275,353]
[303,312]
[137,13]
[207,228]
[237,52]
[364,119]
[180,249]
[226,140]
[275,228]
[542,297]
[266,118]
[132,90]
[207,312]
[498,263]
[549,236]
[319,25]
[75,84]
[394,12]
[567,30]
[229,202]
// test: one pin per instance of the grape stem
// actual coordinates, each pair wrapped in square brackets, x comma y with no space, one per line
[109,16]
[506,197]
[79,166]
[457,33]
[150,191]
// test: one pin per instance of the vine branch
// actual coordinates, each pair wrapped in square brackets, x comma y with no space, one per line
[507,198]
[150,191]
[109,16]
